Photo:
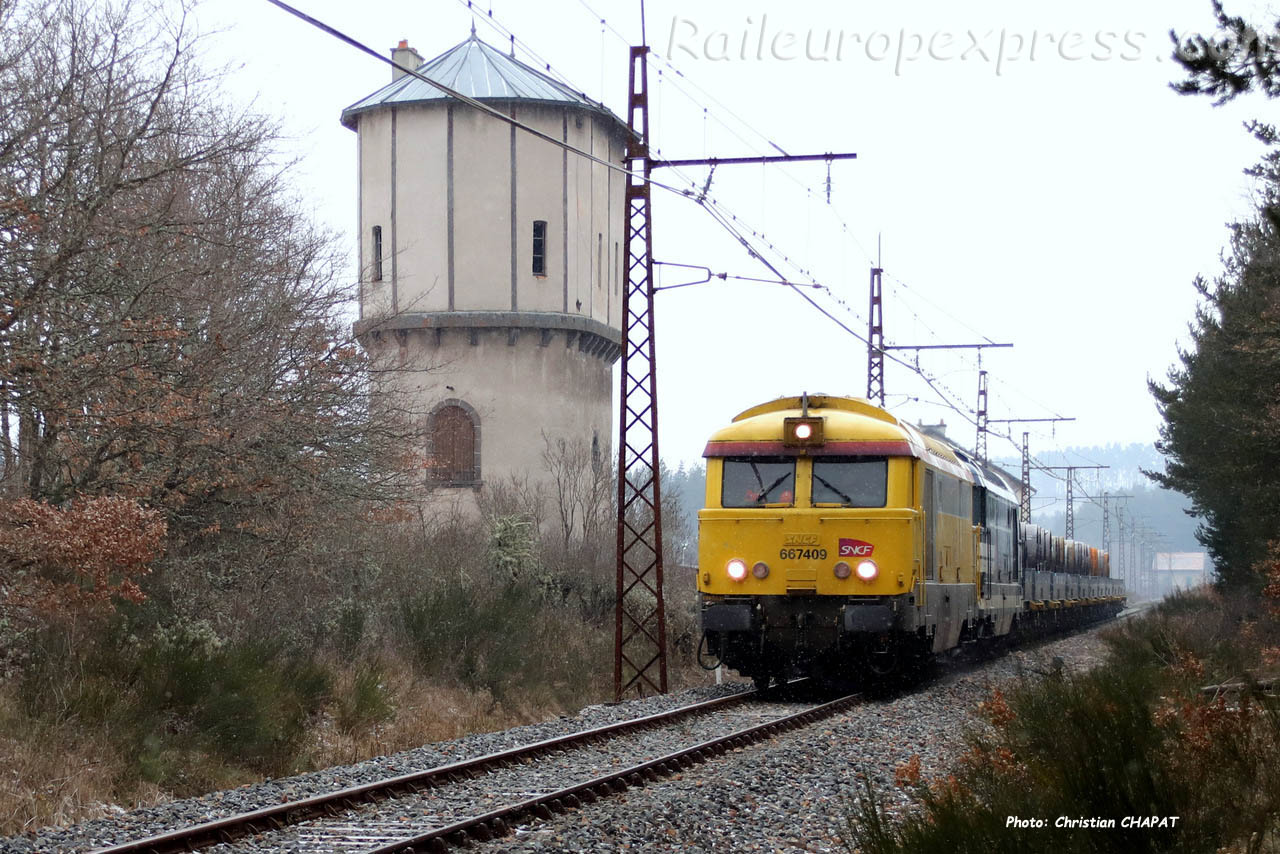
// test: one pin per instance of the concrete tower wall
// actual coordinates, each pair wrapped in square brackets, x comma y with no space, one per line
[522,391]
[455,194]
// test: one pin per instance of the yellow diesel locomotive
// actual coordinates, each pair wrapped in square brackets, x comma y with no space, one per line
[840,541]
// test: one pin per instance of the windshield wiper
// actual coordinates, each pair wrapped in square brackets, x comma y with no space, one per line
[764,494]
[827,484]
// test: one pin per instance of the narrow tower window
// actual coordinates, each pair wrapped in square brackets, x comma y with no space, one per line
[539,247]
[377,253]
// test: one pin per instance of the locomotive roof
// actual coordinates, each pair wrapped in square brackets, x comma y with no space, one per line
[993,478]
[852,427]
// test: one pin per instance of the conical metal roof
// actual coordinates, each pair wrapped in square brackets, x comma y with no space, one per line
[480,71]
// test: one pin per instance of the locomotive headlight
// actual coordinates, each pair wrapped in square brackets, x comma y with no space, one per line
[803,432]
[760,570]
[867,570]
[737,569]
[842,570]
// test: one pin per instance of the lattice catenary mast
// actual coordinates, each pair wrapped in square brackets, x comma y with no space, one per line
[1024,508]
[640,642]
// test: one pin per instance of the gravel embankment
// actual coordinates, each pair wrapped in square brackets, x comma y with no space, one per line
[152,821]
[790,794]
[406,817]
[783,795]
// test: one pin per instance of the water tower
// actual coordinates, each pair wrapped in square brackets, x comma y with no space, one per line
[491,260]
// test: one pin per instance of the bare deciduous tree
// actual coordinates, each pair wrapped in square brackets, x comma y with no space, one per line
[581,486]
[172,325]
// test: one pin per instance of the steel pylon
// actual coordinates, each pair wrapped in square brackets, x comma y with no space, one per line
[640,639]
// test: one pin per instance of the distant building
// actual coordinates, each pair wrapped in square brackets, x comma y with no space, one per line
[491,261]
[1172,571]
[937,431]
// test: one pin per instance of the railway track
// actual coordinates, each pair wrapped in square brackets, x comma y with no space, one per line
[1136,610]
[493,795]
[490,796]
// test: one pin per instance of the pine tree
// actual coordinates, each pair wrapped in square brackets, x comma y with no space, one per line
[1221,406]
[1221,436]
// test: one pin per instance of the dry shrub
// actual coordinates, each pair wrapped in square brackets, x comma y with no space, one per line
[1269,570]
[55,774]
[400,632]
[1137,736]
[421,712]
[78,558]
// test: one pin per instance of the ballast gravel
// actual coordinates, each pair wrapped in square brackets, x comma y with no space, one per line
[792,793]
[404,817]
[786,794]
[162,818]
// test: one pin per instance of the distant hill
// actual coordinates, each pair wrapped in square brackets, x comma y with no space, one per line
[1125,464]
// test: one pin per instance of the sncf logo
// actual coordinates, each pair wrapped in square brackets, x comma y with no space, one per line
[855,548]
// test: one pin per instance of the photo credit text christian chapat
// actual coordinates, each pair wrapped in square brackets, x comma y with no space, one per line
[1129,821]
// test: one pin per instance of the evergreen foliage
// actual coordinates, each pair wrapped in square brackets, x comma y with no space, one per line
[1221,436]
[1238,59]
[1221,404]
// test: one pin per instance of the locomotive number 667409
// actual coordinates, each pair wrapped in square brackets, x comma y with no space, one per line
[802,554]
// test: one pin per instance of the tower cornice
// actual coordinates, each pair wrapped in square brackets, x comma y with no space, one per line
[592,335]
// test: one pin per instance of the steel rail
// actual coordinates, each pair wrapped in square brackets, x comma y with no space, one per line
[499,822]
[275,817]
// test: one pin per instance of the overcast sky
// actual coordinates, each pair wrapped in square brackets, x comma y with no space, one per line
[1031,176]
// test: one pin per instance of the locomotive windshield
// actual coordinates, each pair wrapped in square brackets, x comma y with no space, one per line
[850,482]
[757,481]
